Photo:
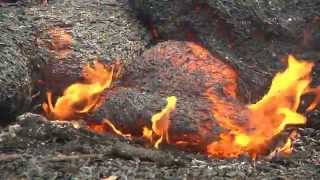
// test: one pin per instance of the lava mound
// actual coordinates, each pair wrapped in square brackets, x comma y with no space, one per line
[172,68]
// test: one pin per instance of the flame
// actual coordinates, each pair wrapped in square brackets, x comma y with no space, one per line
[161,123]
[266,118]
[287,147]
[115,130]
[80,98]
[248,129]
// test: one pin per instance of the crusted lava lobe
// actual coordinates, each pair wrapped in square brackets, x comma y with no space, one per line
[173,68]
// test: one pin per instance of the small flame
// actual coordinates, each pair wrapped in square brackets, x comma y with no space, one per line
[81,98]
[115,130]
[287,147]
[161,123]
[268,117]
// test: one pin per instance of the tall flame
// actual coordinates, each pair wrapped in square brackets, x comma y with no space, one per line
[161,123]
[80,98]
[268,117]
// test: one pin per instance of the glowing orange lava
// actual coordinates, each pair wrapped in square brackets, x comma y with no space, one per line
[248,129]
[268,117]
[61,41]
[81,98]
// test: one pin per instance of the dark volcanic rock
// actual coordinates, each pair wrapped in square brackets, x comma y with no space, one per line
[15,79]
[173,68]
[55,41]
[37,148]
[253,36]
[129,109]
[72,33]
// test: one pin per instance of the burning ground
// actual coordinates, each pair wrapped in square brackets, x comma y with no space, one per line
[202,108]
[190,107]
[34,147]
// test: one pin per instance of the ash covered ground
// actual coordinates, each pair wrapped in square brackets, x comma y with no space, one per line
[35,148]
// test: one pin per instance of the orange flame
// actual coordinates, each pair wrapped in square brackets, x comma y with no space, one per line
[287,147]
[250,129]
[161,123]
[81,98]
[268,117]
[115,130]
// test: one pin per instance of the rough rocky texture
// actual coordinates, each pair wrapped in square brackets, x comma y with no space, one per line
[279,17]
[129,109]
[55,41]
[174,68]
[35,148]
[276,16]
[73,33]
[255,37]
[15,48]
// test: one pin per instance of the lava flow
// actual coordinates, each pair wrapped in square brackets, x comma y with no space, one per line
[246,129]
[268,117]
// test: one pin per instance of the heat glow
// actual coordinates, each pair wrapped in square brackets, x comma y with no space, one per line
[80,98]
[268,117]
[249,129]
[161,123]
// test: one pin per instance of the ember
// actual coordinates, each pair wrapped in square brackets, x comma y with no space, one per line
[61,42]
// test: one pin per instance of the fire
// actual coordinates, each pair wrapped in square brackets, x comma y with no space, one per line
[287,147]
[158,132]
[80,98]
[115,130]
[266,118]
[161,123]
[247,129]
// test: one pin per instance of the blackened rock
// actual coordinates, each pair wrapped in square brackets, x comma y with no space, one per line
[15,79]
[129,109]
[73,33]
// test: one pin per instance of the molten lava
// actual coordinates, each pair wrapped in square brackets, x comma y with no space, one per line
[80,98]
[61,42]
[243,129]
[268,117]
